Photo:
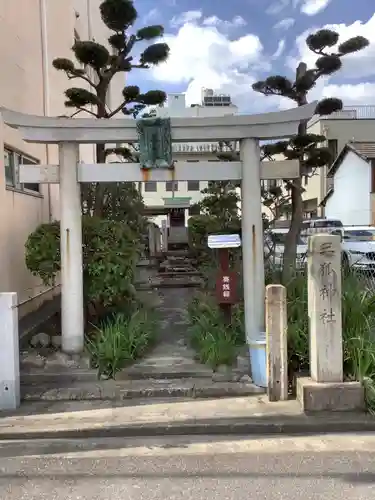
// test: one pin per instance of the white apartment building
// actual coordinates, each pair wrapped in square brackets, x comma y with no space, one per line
[354,124]
[33,33]
[171,202]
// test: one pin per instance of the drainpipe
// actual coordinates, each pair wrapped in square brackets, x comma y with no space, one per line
[46,93]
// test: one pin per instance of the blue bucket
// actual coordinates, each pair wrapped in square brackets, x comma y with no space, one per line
[258,362]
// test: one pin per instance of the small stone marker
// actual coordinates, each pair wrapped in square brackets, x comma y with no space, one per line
[324,289]
[277,349]
[9,353]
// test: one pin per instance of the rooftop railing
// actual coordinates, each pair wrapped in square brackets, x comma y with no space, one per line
[361,112]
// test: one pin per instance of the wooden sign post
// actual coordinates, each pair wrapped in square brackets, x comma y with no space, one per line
[226,283]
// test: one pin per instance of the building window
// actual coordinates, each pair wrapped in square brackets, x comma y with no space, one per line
[9,168]
[332,146]
[12,161]
[372,176]
[171,186]
[193,186]
[150,187]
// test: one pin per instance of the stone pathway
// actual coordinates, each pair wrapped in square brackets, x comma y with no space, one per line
[172,357]
[170,369]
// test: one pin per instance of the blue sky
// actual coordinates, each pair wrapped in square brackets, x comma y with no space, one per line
[228,45]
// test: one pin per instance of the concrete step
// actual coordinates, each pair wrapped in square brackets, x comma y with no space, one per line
[64,377]
[178,282]
[150,388]
[243,416]
[178,273]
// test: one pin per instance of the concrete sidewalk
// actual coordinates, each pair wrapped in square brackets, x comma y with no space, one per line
[243,415]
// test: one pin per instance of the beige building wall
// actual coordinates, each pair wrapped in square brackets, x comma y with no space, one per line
[29,84]
[342,130]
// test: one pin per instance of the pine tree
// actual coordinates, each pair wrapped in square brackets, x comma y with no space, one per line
[101,65]
[220,200]
[304,147]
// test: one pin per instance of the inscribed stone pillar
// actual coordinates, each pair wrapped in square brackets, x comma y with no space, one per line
[324,303]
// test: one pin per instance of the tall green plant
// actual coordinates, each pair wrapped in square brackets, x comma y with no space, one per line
[120,340]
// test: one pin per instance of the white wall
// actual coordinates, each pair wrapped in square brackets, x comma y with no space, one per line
[350,201]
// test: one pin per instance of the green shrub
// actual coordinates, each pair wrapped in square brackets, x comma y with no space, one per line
[110,253]
[43,252]
[215,342]
[119,340]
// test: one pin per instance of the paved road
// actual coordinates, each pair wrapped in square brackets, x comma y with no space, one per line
[312,468]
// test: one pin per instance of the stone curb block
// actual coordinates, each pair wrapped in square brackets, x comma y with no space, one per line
[100,392]
[288,426]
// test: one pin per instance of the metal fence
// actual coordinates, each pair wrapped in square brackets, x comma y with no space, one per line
[361,112]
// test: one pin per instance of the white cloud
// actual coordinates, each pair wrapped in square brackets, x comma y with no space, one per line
[237,21]
[277,7]
[150,17]
[285,24]
[313,7]
[203,56]
[186,17]
[361,93]
[280,49]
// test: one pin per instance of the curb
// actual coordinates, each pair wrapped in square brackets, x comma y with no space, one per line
[191,389]
[301,425]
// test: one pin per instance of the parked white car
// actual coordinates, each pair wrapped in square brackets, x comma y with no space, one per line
[326,225]
[358,247]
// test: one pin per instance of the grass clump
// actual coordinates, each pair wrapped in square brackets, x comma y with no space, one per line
[119,340]
[215,342]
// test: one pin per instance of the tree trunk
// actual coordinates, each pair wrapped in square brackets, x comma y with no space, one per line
[291,240]
[99,187]
[100,151]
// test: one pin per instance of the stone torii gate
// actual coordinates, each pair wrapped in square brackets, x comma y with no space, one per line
[69,133]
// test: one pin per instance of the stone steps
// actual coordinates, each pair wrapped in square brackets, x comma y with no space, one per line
[131,389]
[179,281]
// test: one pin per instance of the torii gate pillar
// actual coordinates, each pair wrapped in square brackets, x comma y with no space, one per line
[252,239]
[72,307]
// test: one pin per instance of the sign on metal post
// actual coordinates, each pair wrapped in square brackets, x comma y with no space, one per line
[224,241]
[226,283]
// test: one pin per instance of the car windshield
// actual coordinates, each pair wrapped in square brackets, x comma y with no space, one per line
[359,234]
[327,223]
